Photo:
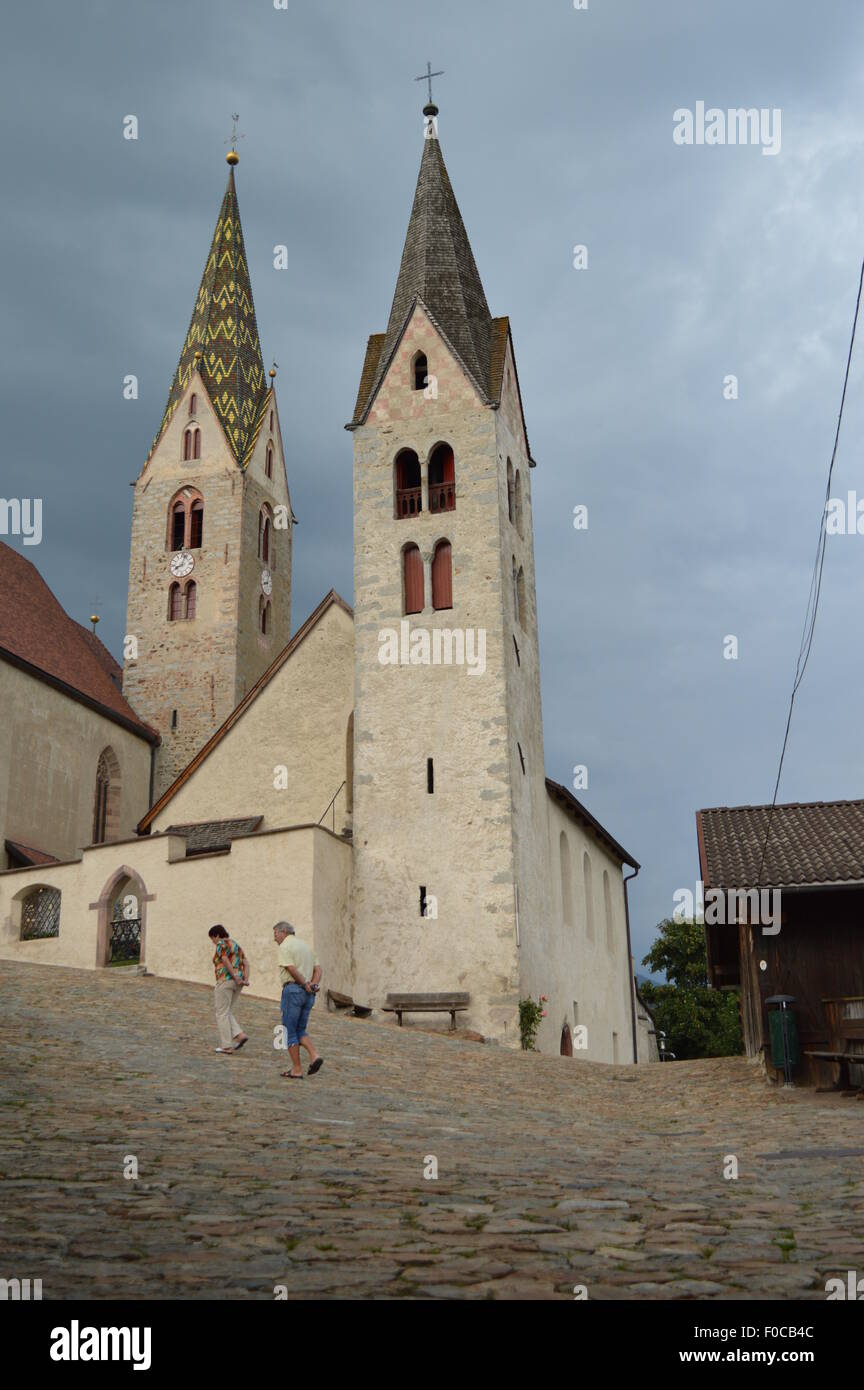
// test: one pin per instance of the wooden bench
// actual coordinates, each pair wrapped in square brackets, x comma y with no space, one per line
[451,1004]
[844,1058]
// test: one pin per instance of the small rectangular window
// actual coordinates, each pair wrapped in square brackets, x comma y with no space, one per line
[422,899]
[430,776]
[173,719]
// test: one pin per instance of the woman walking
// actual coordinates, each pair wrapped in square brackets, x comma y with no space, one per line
[232,975]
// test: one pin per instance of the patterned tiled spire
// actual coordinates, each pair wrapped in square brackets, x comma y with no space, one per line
[223,329]
[438,268]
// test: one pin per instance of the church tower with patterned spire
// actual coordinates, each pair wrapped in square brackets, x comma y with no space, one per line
[210,567]
[450,822]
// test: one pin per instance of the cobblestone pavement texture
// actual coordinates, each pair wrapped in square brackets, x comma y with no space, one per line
[552,1172]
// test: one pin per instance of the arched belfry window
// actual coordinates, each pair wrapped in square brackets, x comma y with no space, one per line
[409,487]
[190,599]
[186,520]
[412,574]
[421,371]
[516,604]
[264,615]
[178,526]
[268,460]
[510,508]
[442,576]
[520,596]
[193,403]
[175,603]
[517,502]
[442,480]
[265,535]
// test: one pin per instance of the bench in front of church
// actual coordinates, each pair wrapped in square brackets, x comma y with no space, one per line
[451,1004]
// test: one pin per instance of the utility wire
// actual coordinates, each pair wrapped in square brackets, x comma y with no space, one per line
[815,584]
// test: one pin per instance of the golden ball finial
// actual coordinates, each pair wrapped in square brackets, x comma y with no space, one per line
[272,373]
[232,157]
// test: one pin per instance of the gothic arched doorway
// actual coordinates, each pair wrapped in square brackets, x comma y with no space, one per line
[122,909]
[566,1041]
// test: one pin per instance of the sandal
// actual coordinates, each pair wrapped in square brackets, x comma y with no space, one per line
[226,1051]
[241,1043]
[316,1065]
[291,1076]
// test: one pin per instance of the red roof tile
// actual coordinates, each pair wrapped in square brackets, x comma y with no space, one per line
[809,843]
[37,633]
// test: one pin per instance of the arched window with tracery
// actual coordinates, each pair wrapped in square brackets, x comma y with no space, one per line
[196,524]
[409,486]
[191,599]
[442,576]
[191,443]
[175,603]
[412,575]
[106,796]
[442,480]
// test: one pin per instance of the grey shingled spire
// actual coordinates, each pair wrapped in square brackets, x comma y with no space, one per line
[438,267]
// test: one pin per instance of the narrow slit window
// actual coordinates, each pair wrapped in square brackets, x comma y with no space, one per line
[518,657]
[422,899]
[430,776]
[521,756]
[173,719]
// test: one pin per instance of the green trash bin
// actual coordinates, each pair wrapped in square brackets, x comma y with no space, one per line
[782,1020]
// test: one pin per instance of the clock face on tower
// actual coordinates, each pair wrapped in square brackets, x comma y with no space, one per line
[181,563]
[266,581]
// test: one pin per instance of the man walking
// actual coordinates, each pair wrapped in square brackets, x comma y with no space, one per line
[232,975]
[300,973]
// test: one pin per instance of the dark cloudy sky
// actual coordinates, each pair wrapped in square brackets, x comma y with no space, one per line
[556,125]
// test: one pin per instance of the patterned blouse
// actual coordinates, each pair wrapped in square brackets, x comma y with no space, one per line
[226,947]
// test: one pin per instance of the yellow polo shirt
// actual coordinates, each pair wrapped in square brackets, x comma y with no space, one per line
[293,951]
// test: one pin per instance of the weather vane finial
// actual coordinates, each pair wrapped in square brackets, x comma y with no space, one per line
[430,109]
[232,156]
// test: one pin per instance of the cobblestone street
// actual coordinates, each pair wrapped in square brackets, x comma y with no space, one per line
[551,1172]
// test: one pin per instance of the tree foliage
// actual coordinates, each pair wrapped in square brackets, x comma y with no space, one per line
[697,1021]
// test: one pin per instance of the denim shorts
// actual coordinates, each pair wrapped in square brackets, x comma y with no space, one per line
[296,1008]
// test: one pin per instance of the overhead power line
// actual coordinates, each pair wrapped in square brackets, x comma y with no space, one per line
[815,583]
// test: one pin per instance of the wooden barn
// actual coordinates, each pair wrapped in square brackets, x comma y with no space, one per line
[815,858]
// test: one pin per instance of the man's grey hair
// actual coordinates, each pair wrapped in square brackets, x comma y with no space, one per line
[286,927]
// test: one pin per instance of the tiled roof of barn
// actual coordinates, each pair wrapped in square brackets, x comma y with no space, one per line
[224,330]
[810,843]
[37,634]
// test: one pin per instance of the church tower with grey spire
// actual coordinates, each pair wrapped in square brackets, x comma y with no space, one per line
[209,602]
[450,805]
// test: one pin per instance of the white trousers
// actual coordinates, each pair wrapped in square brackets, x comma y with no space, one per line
[225,995]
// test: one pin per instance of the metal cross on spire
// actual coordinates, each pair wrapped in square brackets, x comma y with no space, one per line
[427,77]
[235,116]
